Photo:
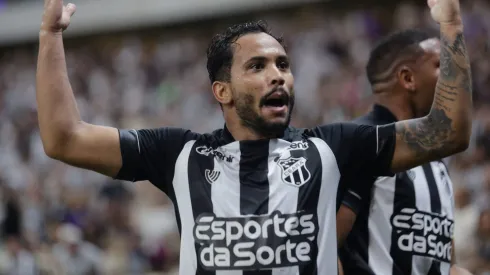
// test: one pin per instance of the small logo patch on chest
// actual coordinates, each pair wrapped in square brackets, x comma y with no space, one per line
[211,175]
[294,171]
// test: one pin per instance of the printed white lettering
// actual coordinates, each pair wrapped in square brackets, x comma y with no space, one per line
[423,233]
[255,242]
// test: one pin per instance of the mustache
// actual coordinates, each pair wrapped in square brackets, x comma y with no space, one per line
[285,95]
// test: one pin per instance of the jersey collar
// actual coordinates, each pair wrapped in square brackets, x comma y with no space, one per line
[382,113]
[226,136]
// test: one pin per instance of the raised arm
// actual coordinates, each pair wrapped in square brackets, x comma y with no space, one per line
[446,130]
[65,137]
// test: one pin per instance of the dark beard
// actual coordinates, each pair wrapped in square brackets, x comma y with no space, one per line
[251,119]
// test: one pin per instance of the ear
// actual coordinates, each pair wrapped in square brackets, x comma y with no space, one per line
[406,78]
[222,92]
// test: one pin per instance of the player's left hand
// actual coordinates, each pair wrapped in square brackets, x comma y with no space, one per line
[445,11]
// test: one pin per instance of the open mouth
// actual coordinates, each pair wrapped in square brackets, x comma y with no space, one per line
[276,99]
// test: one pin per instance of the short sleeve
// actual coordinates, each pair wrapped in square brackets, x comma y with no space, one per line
[363,149]
[150,154]
[358,192]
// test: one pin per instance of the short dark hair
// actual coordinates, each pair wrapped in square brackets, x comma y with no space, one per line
[220,50]
[401,44]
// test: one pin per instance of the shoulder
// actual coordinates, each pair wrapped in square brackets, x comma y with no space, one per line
[340,132]
[366,119]
[330,128]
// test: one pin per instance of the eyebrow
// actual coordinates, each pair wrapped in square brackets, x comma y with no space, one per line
[263,58]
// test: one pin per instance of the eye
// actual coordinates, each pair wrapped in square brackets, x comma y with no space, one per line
[256,66]
[283,65]
[438,64]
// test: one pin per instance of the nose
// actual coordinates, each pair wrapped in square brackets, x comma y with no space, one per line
[276,77]
[278,81]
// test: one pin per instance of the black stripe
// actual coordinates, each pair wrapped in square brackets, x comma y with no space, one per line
[254,185]
[435,200]
[404,196]
[308,197]
[435,206]
[355,251]
[200,192]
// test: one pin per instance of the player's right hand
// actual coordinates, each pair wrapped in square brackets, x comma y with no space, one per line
[56,16]
[445,11]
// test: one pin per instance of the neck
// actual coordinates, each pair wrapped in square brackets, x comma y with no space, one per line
[396,104]
[240,131]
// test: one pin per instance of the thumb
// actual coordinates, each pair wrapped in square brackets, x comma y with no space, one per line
[431,3]
[70,9]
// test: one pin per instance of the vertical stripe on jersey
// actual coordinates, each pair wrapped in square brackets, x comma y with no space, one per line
[188,259]
[225,191]
[421,264]
[444,185]
[254,186]
[326,210]
[435,205]
[200,192]
[379,228]
[402,260]
[435,200]
[282,196]
[310,193]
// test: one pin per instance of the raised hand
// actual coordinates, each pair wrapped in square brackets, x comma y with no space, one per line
[445,11]
[56,16]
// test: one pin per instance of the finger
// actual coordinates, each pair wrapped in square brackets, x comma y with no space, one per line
[431,3]
[70,9]
[51,3]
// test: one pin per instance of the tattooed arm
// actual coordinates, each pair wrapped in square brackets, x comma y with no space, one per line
[446,130]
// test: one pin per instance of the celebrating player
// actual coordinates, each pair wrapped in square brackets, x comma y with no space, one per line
[257,195]
[405,224]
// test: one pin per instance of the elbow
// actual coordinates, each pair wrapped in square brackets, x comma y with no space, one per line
[462,138]
[460,143]
[53,150]
[55,145]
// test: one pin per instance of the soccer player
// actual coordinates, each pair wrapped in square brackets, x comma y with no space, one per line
[257,196]
[405,223]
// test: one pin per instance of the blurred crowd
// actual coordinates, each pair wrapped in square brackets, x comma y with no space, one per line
[56,219]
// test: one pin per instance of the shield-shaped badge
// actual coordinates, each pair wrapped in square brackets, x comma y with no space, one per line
[294,171]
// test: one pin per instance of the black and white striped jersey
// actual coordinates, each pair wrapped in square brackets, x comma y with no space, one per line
[404,223]
[256,207]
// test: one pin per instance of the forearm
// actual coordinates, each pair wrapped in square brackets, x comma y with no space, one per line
[57,110]
[453,97]
[447,128]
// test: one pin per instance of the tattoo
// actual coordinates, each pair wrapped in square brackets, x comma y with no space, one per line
[428,135]
[454,64]
[432,137]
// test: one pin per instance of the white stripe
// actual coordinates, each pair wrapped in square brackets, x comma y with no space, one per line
[355,194]
[445,189]
[446,195]
[326,210]
[420,264]
[282,196]
[225,191]
[445,268]
[377,140]
[188,259]
[380,227]
[137,140]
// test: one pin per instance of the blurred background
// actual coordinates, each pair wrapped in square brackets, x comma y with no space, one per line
[137,64]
